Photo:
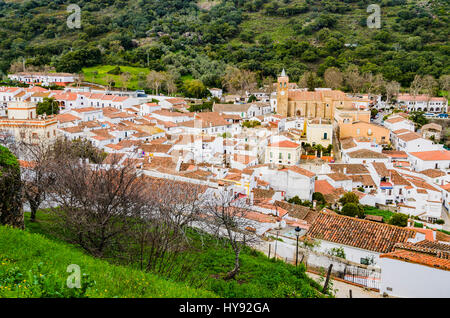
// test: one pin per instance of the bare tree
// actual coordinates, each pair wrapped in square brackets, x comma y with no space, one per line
[155,80]
[79,79]
[228,216]
[416,87]
[353,79]
[125,78]
[170,84]
[392,90]
[109,81]
[444,82]
[429,87]
[95,202]
[238,81]
[36,175]
[333,78]
[160,229]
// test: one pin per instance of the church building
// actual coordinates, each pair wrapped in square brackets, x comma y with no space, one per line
[301,103]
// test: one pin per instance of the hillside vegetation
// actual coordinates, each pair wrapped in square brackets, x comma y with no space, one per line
[39,250]
[34,266]
[200,38]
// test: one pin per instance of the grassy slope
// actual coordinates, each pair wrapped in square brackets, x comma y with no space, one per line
[384,213]
[259,277]
[102,73]
[25,251]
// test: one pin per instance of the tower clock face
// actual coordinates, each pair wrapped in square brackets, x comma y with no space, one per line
[282,93]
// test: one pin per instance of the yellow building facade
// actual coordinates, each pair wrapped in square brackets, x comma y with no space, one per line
[301,103]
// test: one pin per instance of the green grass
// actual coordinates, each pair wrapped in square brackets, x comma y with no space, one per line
[259,277]
[374,211]
[102,73]
[35,266]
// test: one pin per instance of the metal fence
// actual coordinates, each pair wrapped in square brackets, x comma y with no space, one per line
[362,276]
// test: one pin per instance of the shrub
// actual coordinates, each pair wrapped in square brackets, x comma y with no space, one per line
[337,251]
[115,71]
[399,219]
[353,209]
[10,189]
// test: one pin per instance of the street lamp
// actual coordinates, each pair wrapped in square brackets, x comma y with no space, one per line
[297,233]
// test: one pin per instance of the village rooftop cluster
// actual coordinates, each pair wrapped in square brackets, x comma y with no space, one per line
[287,143]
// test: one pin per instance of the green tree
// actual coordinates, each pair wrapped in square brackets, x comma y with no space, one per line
[48,106]
[195,89]
[295,200]
[349,197]
[353,209]
[11,212]
[319,197]
[399,219]
[418,118]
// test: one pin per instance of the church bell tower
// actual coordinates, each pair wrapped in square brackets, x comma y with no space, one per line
[282,94]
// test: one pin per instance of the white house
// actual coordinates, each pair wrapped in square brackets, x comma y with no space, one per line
[293,180]
[436,159]
[397,122]
[216,92]
[45,79]
[419,270]
[364,156]
[423,103]
[413,142]
[335,231]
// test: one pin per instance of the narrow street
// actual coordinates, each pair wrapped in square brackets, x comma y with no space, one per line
[342,290]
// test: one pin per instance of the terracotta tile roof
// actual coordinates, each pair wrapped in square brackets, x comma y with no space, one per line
[366,153]
[432,155]
[350,168]
[397,179]
[156,148]
[395,154]
[298,211]
[375,218]
[419,98]
[284,144]
[442,237]
[86,109]
[427,254]
[259,194]
[73,130]
[410,136]
[337,176]
[401,131]
[431,126]
[395,120]
[377,237]
[381,169]
[433,173]
[422,184]
[66,118]
[231,108]
[364,179]
[347,143]
[323,187]
[301,171]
